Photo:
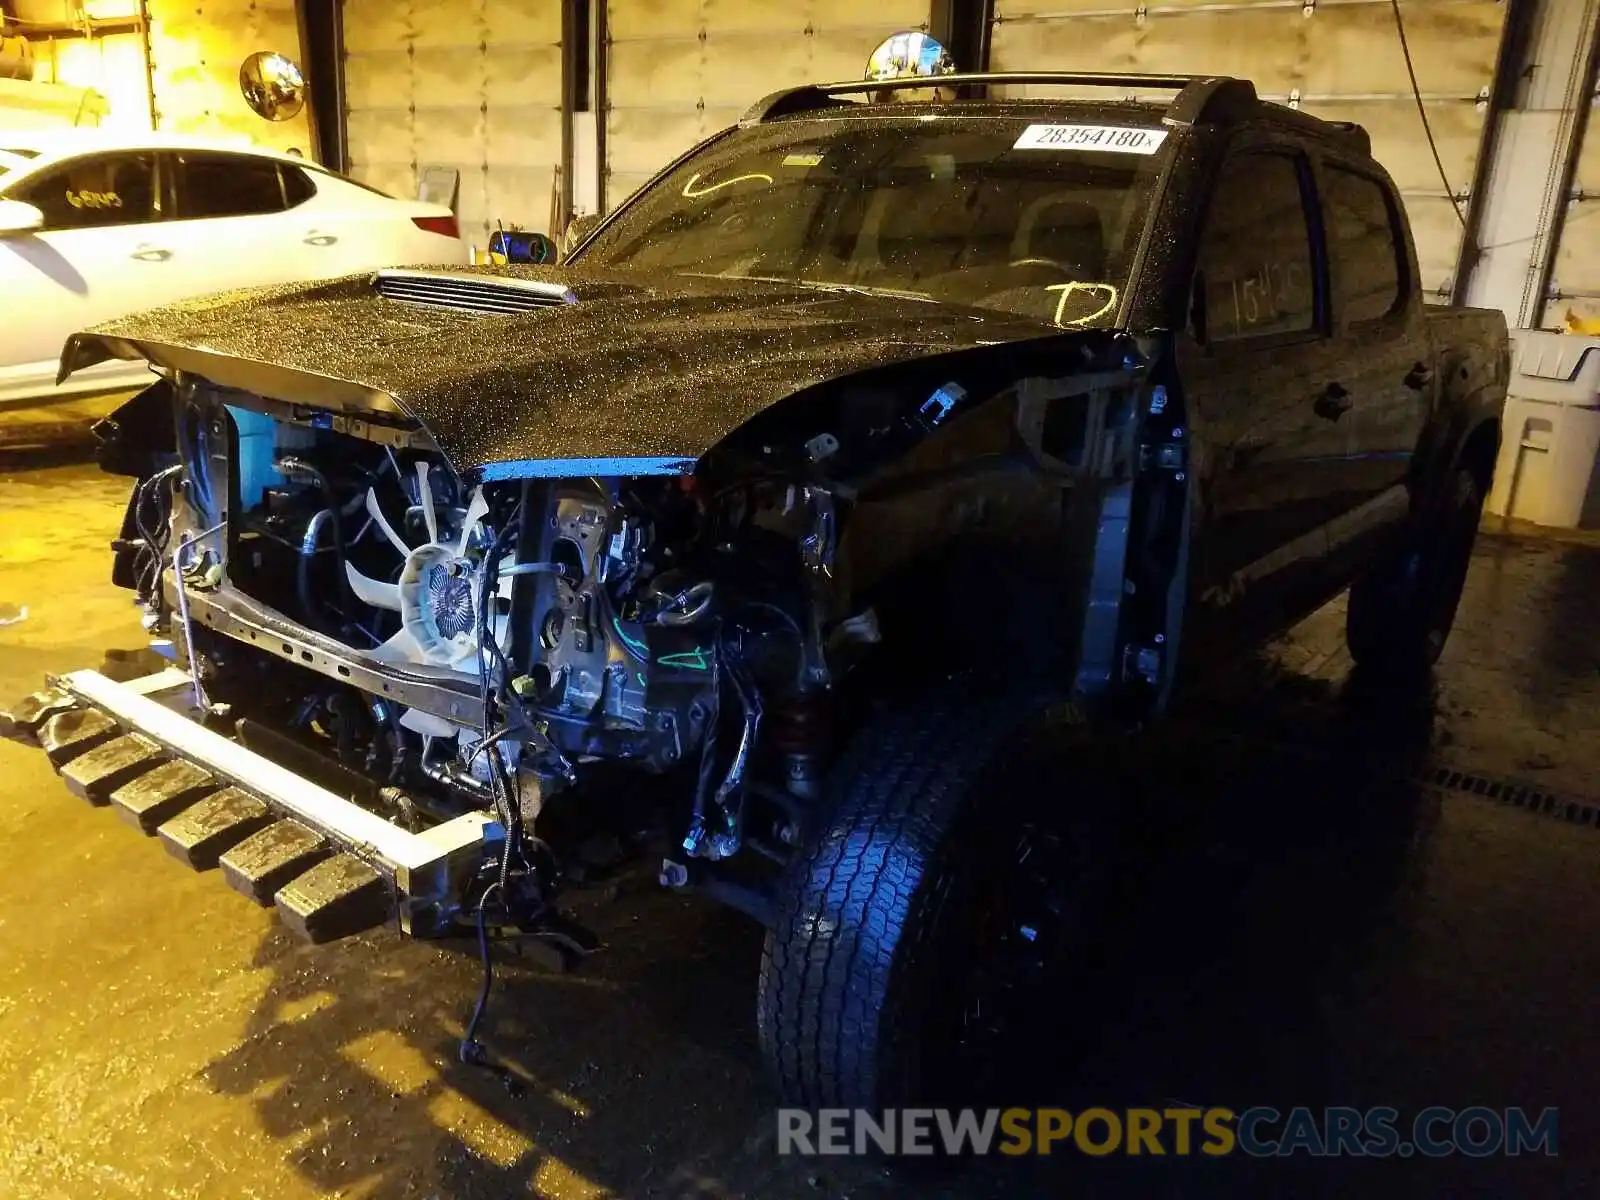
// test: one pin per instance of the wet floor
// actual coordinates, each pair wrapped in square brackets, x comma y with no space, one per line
[1283,916]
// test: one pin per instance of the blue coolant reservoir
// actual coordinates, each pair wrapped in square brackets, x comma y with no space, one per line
[257,447]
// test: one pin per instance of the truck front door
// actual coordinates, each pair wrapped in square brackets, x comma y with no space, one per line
[1260,368]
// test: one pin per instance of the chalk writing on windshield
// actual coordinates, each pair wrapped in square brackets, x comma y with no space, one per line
[1068,290]
[691,189]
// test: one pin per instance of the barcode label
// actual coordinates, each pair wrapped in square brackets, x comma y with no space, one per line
[1114,139]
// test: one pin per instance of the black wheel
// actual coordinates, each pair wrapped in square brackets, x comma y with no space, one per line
[1401,612]
[916,931]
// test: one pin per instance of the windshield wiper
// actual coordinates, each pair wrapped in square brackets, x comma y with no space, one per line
[824,285]
[821,285]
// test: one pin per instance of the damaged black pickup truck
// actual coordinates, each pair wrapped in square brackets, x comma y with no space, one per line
[864,431]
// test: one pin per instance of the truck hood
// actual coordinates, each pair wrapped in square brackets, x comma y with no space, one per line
[598,367]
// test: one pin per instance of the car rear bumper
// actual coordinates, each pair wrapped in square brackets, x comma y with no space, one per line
[329,866]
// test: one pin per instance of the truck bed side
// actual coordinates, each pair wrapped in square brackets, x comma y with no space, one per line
[1471,360]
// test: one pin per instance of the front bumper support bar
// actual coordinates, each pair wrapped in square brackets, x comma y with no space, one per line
[328,865]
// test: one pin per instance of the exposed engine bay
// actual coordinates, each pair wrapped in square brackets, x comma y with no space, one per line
[432,646]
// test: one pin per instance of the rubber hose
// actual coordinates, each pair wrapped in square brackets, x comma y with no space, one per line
[308,552]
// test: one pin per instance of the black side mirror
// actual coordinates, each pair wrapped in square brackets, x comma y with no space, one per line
[522,246]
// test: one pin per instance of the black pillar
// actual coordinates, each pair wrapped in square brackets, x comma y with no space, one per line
[963,27]
[321,25]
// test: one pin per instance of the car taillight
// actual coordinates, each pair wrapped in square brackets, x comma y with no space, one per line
[441,225]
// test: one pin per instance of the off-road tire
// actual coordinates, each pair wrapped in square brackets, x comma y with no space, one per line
[1400,612]
[847,971]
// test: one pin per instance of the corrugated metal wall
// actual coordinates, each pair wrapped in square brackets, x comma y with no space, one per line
[473,85]
[1339,59]
[679,70]
[1575,282]
[111,64]
[196,47]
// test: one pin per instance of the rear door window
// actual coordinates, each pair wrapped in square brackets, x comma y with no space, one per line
[227,185]
[96,191]
[297,185]
[1363,244]
[1256,266]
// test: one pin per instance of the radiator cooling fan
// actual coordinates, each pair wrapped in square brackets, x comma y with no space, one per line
[437,596]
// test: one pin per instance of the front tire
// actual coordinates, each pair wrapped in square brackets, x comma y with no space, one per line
[1401,611]
[929,884]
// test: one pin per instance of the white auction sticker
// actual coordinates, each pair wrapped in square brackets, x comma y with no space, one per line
[1115,139]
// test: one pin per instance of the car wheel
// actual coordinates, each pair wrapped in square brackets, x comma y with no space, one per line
[1401,612]
[915,930]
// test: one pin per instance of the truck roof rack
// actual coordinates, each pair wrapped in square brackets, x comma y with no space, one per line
[1197,98]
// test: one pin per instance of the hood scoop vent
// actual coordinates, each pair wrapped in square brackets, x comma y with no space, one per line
[478,295]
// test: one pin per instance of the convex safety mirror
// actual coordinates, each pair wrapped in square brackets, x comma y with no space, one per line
[273,85]
[910,55]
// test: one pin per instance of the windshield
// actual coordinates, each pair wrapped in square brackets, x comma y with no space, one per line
[986,211]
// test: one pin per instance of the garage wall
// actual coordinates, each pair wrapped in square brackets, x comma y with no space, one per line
[1575,281]
[111,64]
[196,48]
[679,70]
[1339,59]
[472,84]
[34,105]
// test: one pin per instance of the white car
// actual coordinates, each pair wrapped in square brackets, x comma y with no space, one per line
[95,226]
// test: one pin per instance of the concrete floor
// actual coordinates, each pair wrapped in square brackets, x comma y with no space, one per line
[1289,920]
[29,426]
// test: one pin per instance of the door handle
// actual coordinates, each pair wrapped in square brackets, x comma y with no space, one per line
[151,254]
[1419,377]
[316,238]
[1333,403]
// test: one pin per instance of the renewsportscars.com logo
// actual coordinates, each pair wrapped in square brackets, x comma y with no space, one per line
[1261,1132]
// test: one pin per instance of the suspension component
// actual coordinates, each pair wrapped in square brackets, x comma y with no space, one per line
[799,730]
